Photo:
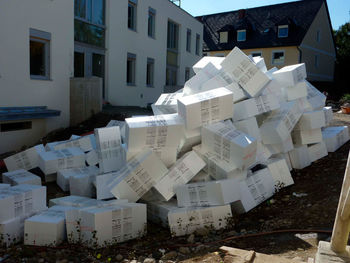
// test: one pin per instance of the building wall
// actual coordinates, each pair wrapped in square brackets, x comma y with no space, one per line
[120,40]
[291,55]
[324,49]
[16,86]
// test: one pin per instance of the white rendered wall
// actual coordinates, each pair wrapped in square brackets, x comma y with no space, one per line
[120,40]
[16,86]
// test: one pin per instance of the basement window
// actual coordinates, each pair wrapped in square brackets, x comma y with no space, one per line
[39,46]
[15,126]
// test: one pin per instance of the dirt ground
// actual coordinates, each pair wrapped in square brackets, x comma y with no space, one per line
[303,213]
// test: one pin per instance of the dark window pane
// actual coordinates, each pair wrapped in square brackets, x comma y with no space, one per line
[149,75]
[151,24]
[89,10]
[79,8]
[98,12]
[89,34]
[79,65]
[130,71]
[131,16]
[37,58]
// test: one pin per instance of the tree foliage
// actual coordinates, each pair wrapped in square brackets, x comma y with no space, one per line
[342,41]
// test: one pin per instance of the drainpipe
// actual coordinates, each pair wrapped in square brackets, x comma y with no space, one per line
[300,54]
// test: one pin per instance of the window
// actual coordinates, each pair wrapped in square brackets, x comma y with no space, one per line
[39,46]
[223,37]
[277,57]
[171,76]
[187,73]
[150,72]
[317,61]
[173,35]
[15,126]
[132,14]
[198,41]
[283,31]
[256,54]
[130,69]
[92,11]
[188,40]
[151,22]
[318,36]
[241,35]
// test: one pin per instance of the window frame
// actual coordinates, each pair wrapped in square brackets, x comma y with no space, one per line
[256,52]
[44,38]
[272,57]
[133,3]
[198,43]
[131,57]
[176,40]
[188,40]
[89,20]
[150,61]
[282,27]
[223,37]
[151,13]
[245,35]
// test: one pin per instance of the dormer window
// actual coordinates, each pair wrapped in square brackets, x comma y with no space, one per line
[224,37]
[283,31]
[241,35]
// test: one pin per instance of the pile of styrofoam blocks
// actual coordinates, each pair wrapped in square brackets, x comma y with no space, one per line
[221,145]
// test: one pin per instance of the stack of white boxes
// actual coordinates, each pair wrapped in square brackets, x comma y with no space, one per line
[224,144]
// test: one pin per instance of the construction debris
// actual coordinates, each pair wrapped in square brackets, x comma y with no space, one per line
[224,144]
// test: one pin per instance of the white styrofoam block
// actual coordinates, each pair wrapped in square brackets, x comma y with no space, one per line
[275,88]
[26,160]
[245,72]
[263,153]
[138,176]
[315,99]
[85,143]
[216,61]
[184,221]
[291,75]
[166,103]
[21,200]
[220,192]
[222,79]
[219,169]
[295,92]
[190,139]
[328,115]
[4,186]
[154,131]
[260,63]
[101,226]
[194,84]
[257,188]
[229,144]
[280,172]
[47,228]
[206,107]
[201,177]
[237,92]
[307,136]
[311,120]
[283,147]
[181,173]
[284,156]
[53,161]
[111,155]
[64,174]
[91,158]
[249,126]
[70,200]
[279,124]
[121,125]
[335,137]
[81,182]
[299,157]
[255,106]
[20,177]
[317,151]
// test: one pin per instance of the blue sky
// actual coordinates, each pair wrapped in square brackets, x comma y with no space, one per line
[339,9]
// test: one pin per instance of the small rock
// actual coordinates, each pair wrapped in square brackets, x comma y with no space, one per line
[157,254]
[297,259]
[41,260]
[170,255]
[200,248]
[149,260]
[300,249]
[202,232]
[190,239]
[119,257]
[243,231]
[232,233]
[184,250]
